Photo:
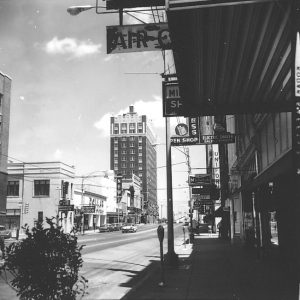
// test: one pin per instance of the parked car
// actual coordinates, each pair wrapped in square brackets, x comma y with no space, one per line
[130,227]
[106,228]
[5,233]
[116,226]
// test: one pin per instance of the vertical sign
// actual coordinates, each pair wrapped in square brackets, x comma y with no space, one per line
[194,127]
[119,188]
[216,165]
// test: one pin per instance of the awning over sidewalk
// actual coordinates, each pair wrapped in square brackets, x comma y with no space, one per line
[232,57]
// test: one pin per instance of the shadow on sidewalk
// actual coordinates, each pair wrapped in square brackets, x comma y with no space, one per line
[214,269]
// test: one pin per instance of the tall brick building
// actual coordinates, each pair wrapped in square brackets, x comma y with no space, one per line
[133,151]
[5,90]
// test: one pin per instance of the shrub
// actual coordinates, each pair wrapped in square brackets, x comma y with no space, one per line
[45,265]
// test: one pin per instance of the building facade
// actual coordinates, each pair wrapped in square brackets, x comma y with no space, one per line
[37,190]
[94,198]
[260,180]
[132,150]
[5,91]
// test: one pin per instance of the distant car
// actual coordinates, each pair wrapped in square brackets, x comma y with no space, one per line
[106,228]
[129,228]
[5,233]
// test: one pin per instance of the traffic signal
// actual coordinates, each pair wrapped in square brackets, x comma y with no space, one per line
[119,188]
[65,188]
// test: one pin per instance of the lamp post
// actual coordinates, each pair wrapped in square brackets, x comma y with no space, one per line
[171,257]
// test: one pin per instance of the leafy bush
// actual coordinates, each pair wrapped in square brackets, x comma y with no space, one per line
[45,265]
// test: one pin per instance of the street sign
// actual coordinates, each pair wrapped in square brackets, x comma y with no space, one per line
[222,138]
[65,207]
[198,203]
[199,179]
[182,141]
[88,209]
[201,197]
[201,190]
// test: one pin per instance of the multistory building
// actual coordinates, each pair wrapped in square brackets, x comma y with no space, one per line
[132,150]
[36,190]
[5,91]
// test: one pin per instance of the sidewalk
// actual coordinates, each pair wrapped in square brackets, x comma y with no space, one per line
[214,269]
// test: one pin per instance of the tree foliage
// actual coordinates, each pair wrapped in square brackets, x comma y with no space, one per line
[46,264]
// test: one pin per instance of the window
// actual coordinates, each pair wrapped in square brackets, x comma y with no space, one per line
[132,128]
[124,165]
[124,172]
[13,188]
[124,128]
[132,138]
[140,128]
[123,158]
[132,158]
[116,141]
[124,139]
[123,145]
[131,145]
[123,151]
[116,129]
[41,187]
[132,151]
[131,165]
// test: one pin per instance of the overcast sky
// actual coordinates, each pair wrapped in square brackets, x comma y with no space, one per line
[65,87]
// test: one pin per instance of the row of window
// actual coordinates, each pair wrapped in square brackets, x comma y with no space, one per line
[128,172]
[131,139]
[41,188]
[132,128]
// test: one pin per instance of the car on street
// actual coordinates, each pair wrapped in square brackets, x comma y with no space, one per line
[116,226]
[106,228]
[129,227]
[5,233]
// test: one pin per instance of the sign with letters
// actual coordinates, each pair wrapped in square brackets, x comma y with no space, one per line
[137,38]
[173,105]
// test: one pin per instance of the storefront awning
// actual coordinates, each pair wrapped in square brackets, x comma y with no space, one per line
[234,56]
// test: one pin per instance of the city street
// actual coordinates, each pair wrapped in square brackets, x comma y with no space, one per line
[113,259]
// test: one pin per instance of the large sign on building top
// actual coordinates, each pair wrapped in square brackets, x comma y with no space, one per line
[138,37]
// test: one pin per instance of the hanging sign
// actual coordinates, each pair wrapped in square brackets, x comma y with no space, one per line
[137,38]
[173,105]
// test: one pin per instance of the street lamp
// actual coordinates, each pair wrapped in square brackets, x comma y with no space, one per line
[75,10]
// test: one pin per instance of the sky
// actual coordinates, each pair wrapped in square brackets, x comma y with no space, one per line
[65,88]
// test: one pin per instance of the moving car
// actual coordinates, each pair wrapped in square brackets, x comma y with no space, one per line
[106,228]
[5,233]
[130,227]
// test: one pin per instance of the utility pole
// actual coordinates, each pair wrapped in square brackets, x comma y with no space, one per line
[187,151]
